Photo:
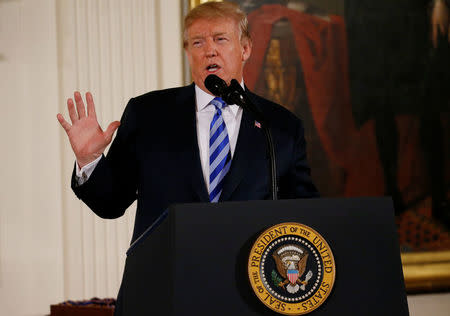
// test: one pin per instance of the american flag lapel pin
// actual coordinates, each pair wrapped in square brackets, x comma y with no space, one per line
[257,124]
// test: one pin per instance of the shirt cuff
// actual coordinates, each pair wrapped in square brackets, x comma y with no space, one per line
[83,174]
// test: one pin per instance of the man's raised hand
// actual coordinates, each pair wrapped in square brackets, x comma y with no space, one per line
[86,137]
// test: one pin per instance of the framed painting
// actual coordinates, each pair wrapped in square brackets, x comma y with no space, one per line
[371,88]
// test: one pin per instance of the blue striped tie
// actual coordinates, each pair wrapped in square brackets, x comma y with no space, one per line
[219,151]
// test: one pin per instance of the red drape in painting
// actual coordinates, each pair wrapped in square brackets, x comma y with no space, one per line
[322,50]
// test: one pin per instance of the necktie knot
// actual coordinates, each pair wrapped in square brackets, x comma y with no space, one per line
[218,103]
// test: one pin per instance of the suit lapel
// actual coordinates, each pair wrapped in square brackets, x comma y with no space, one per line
[188,120]
[248,147]
[245,152]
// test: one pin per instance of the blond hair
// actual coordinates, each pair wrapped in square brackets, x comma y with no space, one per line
[215,10]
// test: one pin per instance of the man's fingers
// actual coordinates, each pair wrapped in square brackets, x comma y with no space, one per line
[63,122]
[80,105]
[111,129]
[72,112]
[90,105]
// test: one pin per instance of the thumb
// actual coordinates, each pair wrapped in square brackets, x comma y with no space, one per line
[111,129]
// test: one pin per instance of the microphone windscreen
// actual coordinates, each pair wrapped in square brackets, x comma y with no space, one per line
[234,85]
[216,85]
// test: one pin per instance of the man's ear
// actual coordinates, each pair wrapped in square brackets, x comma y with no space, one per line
[246,49]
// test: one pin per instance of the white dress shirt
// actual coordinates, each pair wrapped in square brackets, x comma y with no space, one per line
[232,116]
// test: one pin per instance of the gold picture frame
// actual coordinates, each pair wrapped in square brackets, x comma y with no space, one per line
[194,3]
[423,271]
[426,271]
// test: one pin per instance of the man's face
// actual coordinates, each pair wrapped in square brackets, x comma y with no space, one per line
[214,47]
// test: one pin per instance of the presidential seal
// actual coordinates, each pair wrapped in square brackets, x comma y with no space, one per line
[291,269]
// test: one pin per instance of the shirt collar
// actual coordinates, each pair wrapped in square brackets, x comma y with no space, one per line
[203,98]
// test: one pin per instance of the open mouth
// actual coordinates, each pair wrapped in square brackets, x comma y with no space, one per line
[212,68]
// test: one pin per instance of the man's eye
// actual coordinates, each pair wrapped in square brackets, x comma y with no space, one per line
[221,39]
[196,43]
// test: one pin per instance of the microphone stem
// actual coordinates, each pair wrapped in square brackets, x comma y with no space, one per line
[272,164]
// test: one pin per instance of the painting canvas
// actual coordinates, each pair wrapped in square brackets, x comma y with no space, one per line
[373,93]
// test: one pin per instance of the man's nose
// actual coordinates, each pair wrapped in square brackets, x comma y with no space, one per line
[210,49]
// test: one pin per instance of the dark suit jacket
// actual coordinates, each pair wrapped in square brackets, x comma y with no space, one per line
[155,158]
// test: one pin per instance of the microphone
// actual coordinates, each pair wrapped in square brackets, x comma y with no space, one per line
[238,95]
[216,86]
[233,94]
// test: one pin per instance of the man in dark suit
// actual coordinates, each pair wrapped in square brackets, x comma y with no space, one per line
[163,150]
